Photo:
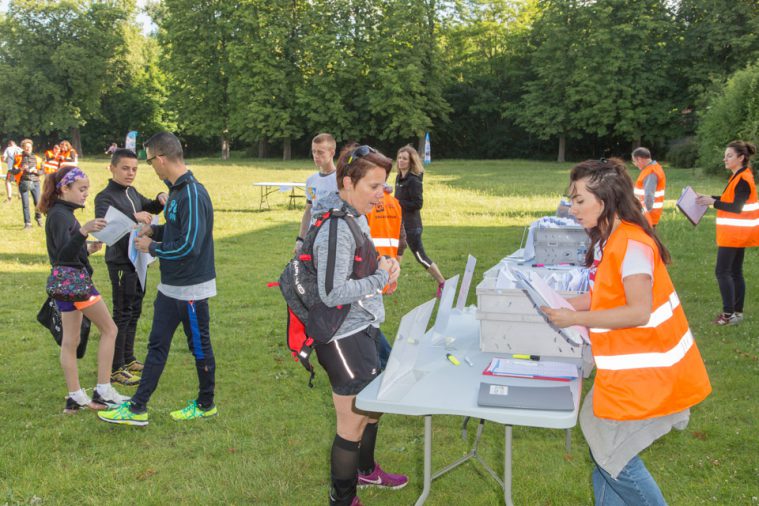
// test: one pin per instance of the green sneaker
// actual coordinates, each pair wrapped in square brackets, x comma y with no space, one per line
[124,416]
[192,411]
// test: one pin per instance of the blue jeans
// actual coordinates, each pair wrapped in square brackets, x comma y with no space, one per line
[24,188]
[383,349]
[634,486]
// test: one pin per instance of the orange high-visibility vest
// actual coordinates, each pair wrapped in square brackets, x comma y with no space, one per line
[739,230]
[651,370]
[67,157]
[654,214]
[51,162]
[17,165]
[385,225]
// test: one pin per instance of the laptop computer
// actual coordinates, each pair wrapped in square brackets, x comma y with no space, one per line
[550,398]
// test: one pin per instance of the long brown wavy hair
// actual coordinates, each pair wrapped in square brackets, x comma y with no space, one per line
[610,183]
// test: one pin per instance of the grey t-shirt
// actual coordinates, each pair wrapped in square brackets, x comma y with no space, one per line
[364,295]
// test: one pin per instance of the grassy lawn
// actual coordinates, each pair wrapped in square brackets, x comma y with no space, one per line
[270,444]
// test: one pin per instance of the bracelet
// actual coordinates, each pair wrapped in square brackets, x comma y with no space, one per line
[299,238]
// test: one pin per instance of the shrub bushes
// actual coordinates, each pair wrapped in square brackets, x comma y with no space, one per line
[683,155]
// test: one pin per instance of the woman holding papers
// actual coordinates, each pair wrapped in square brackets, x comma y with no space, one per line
[737,229]
[126,288]
[350,272]
[649,370]
[66,191]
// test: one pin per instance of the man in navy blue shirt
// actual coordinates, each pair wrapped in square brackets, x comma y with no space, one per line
[184,247]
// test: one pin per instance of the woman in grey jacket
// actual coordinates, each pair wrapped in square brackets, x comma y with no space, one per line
[350,358]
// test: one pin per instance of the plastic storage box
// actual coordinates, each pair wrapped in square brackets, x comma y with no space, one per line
[510,324]
[560,245]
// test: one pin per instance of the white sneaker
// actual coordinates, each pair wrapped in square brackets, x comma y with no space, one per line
[109,396]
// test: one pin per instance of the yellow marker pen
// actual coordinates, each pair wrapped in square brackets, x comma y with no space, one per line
[452,359]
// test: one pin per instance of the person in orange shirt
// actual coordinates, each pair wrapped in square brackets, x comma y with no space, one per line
[650,186]
[68,156]
[52,159]
[649,372]
[737,229]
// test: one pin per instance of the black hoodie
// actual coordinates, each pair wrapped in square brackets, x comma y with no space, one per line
[65,244]
[129,201]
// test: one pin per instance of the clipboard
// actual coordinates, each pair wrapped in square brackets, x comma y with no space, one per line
[688,206]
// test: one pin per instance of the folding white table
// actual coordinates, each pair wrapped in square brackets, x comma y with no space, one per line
[267,188]
[441,388]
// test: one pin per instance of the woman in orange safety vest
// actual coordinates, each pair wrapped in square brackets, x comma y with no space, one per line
[52,159]
[68,156]
[648,369]
[737,229]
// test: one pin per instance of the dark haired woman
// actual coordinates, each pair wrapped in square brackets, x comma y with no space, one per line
[66,191]
[648,369]
[350,358]
[737,229]
[409,192]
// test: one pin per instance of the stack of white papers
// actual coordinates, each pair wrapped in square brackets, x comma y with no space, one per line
[531,369]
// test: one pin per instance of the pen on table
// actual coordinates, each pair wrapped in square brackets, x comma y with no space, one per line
[538,265]
[466,359]
[452,359]
[526,357]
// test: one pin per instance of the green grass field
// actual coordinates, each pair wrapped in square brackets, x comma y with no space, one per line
[270,444]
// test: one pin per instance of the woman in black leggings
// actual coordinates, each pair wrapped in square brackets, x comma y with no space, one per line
[408,191]
[737,229]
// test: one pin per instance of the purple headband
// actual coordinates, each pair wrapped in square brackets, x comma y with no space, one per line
[74,174]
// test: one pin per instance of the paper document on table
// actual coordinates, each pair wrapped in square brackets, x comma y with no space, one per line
[119,225]
[689,207]
[543,295]
[531,369]
[139,259]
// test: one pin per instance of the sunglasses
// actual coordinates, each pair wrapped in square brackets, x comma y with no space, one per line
[149,161]
[360,152]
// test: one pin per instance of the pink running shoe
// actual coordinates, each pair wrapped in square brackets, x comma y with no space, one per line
[440,289]
[380,478]
[356,502]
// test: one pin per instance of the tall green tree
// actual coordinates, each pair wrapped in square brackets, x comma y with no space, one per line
[195,36]
[56,60]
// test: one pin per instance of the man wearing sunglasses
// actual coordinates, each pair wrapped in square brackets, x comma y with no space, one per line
[320,184]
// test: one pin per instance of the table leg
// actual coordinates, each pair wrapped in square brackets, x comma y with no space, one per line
[427,460]
[507,468]
[568,441]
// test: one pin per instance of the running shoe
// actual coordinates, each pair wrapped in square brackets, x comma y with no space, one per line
[109,397]
[193,411]
[380,478]
[738,316]
[135,366]
[124,377]
[74,406]
[727,319]
[123,415]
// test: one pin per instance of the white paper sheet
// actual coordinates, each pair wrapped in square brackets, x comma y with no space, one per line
[119,225]
[689,207]
[543,369]
[139,259]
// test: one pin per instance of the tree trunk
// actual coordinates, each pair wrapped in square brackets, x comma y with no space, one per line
[562,148]
[76,140]
[224,147]
[287,153]
[263,148]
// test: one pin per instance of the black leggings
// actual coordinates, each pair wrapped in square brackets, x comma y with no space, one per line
[414,240]
[729,272]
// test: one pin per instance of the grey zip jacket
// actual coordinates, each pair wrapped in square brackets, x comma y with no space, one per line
[364,295]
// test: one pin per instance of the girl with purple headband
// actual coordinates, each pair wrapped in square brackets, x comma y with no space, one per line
[64,192]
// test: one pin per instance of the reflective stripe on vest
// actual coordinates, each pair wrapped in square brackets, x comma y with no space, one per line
[644,360]
[380,242]
[660,315]
[739,230]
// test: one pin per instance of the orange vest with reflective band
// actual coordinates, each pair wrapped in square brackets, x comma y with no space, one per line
[654,214]
[385,226]
[51,162]
[17,165]
[651,370]
[739,230]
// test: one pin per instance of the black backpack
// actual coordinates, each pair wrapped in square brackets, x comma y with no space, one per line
[310,322]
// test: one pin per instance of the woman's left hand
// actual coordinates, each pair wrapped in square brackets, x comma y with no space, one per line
[562,318]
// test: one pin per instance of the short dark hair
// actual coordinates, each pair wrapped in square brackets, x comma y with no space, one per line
[356,168]
[166,144]
[122,153]
[641,153]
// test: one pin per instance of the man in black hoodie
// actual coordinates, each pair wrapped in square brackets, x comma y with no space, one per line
[184,247]
[127,291]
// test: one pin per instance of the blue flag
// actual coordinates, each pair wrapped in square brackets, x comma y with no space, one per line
[131,141]
[427,152]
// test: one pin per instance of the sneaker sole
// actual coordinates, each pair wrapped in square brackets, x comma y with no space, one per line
[384,487]
[137,423]
[196,418]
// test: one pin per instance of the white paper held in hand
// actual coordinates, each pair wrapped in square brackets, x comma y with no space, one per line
[119,225]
